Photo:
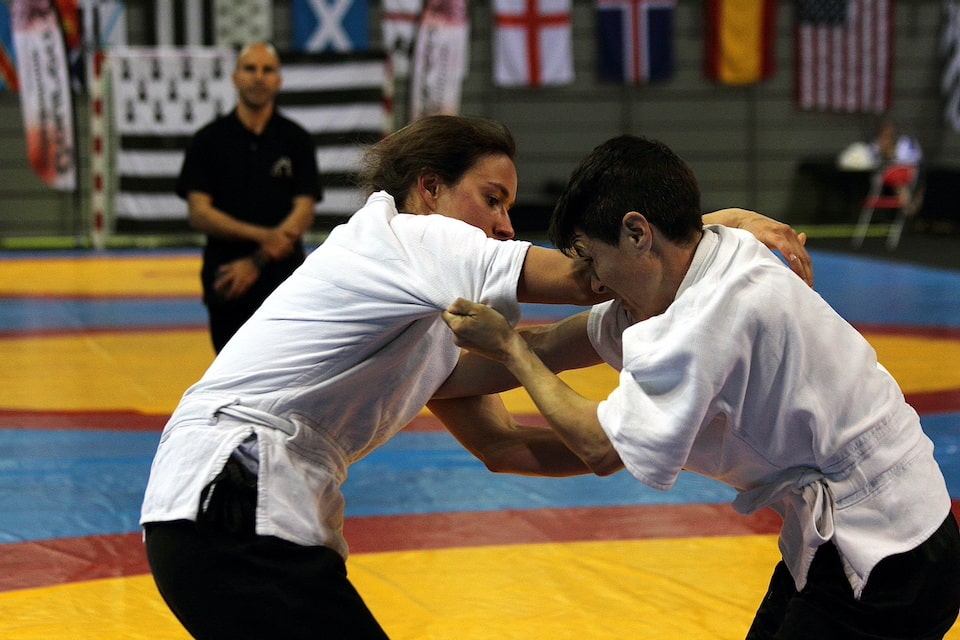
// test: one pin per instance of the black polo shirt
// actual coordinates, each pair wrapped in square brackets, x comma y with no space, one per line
[253,178]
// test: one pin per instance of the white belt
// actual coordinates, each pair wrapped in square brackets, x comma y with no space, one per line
[256,416]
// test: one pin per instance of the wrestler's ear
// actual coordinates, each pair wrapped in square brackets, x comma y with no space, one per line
[636,228]
[428,185]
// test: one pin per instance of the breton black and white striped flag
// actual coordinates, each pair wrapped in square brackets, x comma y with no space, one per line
[162,96]
[343,100]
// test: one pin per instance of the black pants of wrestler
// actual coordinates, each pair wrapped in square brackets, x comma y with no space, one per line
[226,317]
[913,595]
[223,581]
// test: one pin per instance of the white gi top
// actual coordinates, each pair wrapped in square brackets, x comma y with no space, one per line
[337,360]
[750,378]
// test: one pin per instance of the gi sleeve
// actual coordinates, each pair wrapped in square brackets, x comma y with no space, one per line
[456,259]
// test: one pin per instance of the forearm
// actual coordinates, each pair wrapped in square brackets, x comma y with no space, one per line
[300,219]
[550,277]
[731,217]
[476,375]
[209,220]
[281,241]
[486,429]
[561,346]
[572,416]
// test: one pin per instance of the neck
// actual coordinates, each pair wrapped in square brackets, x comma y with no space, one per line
[672,263]
[254,119]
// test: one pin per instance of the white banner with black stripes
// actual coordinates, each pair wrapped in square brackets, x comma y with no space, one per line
[162,96]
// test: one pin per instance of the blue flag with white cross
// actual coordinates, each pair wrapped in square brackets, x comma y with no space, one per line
[331,25]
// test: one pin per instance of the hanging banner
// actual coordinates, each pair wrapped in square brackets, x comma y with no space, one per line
[950,50]
[740,38]
[399,25]
[635,40]
[104,24]
[237,23]
[532,43]
[844,55]
[45,98]
[440,59]
[68,11]
[163,95]
[331,25]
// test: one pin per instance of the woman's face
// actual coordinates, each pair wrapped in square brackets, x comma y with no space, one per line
[483,196]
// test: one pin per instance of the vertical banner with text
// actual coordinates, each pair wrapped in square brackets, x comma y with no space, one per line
[45,97]
[440,60]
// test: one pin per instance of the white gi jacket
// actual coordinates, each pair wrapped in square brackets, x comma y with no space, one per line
[337,360]
[750,378]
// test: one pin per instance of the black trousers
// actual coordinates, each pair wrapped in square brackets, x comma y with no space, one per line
[222,580]
[227,317]
[913,595]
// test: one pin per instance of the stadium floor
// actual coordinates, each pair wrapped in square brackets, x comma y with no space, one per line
[97,348]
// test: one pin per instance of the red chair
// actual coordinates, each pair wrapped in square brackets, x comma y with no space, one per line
[891,189]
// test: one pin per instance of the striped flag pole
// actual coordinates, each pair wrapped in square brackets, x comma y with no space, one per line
[98,154]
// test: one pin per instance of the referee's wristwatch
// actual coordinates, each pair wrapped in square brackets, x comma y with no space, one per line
[259,259]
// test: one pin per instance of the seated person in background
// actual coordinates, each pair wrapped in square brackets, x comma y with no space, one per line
[731,367]
[890,147]
[887,148]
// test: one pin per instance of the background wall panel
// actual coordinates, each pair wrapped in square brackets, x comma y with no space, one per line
[745,143]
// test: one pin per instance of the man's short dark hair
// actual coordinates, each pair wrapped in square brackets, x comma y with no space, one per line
[628,173]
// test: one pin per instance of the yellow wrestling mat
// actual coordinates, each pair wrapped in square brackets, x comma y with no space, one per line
[148,371]
[658,589]
[175,274]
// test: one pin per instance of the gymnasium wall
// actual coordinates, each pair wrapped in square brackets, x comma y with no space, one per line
[743,142]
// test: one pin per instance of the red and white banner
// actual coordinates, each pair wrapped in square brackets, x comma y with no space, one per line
[400,18]
[532,43]
[45,98]
[440,59]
